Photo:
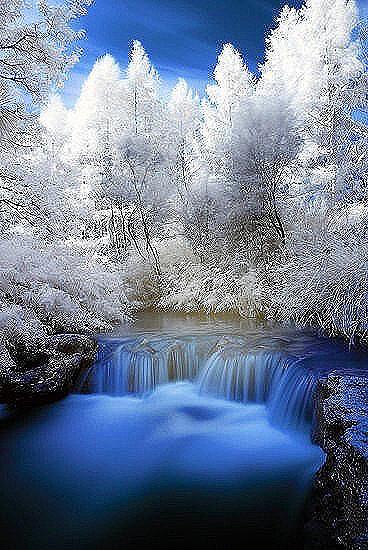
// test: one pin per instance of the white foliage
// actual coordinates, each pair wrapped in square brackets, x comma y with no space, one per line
[254,201]
[63,290]
[36,51]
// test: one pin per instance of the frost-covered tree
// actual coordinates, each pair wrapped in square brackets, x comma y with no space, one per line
[324,84]
[37,48]
[96,118]
[141,91]
[54,117]
[120,136]
[183,109]
[144,154]
[36,51]
[233,82]
[97,122]
[41,201]
[204,214]
[312,78]
[266,142]
[59,199]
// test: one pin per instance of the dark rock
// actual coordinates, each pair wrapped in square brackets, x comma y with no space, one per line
[52,370]
[337,515]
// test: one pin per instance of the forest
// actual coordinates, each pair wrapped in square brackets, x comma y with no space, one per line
[252,199]
[183,277]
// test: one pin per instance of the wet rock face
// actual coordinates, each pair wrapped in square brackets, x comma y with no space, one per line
[338,512]
[48,373]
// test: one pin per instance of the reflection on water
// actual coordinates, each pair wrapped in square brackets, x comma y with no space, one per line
[196,445]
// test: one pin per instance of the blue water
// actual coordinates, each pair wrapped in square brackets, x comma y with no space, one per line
[181,461]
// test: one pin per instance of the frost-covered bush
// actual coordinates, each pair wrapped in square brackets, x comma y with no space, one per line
[141,284]
[19,327]
[324,282]
[51,288]
[216,286]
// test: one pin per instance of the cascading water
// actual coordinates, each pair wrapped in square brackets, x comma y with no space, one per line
[290,402]
[139,365]
[185,429]
[224,367]
[262,377]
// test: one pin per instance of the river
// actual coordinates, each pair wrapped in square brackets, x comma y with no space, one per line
[187,429]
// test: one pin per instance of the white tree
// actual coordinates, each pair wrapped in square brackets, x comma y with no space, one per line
[97,123]
[141,91]
[120,135]
[97,119]
[144,154]
[55,118]
[183,110]
[266,143]
[323,82]
[215,160]
[233,82]
[36,51]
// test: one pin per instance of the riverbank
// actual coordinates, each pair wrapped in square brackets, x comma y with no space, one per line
[47,372]
[338,512]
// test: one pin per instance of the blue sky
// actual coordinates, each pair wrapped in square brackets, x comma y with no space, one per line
[181,37]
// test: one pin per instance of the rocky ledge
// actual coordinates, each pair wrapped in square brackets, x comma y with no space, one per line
[48,372]
[337,516]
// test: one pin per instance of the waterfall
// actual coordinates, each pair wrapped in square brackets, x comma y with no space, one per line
[262,377]
[239,375]
[139,366]
[225,367]
[290,401]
